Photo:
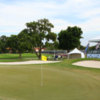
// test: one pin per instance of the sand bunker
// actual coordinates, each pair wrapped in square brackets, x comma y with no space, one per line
[27,62]
[92,64]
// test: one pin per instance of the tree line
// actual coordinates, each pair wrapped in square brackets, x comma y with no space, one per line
[39,34]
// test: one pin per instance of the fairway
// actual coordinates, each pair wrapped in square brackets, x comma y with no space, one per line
[15,57]
[61,81]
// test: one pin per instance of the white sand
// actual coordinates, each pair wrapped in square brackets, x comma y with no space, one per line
[92,64]
[27,62]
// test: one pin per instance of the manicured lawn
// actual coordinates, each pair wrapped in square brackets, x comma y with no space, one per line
[15,57]
[61,81]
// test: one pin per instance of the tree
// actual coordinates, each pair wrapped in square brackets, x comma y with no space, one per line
[92,47]
[70,38]
[23,43]
[81,47]
[51,46]
[40,32]
[12,43]
[19,43]
[3,44]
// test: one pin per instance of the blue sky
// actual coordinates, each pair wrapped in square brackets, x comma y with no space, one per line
[62,13]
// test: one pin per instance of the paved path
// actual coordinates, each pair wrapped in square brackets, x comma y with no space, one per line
[92,64]
[27,62]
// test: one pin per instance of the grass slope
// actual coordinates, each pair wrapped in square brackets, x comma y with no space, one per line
[61,81]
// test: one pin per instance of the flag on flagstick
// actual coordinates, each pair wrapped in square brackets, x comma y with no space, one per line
[44,58]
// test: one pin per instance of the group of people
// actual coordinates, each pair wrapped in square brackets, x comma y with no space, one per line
[56,57]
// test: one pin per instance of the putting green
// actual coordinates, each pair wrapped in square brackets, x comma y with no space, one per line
[23,82]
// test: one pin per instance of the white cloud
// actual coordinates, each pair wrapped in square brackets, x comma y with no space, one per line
[60,25]
[91,13]
[91,25]
[86,13]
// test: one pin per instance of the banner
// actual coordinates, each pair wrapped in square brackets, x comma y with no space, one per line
[98,45]
[86,47]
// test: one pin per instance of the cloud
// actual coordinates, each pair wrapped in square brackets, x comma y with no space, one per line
[60,24]
[91,25]
[62,13]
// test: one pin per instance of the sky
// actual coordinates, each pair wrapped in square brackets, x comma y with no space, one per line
[62,13]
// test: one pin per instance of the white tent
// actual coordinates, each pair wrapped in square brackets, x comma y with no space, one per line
[97,39]
[76,54]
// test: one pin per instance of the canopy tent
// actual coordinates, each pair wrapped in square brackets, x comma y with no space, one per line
[76,54]
[97,39]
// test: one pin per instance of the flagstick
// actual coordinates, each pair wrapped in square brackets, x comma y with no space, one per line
[41,76]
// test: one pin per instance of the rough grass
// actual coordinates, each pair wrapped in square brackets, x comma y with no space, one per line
[61,81]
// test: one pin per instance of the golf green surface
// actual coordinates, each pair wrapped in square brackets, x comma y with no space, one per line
[61,81]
